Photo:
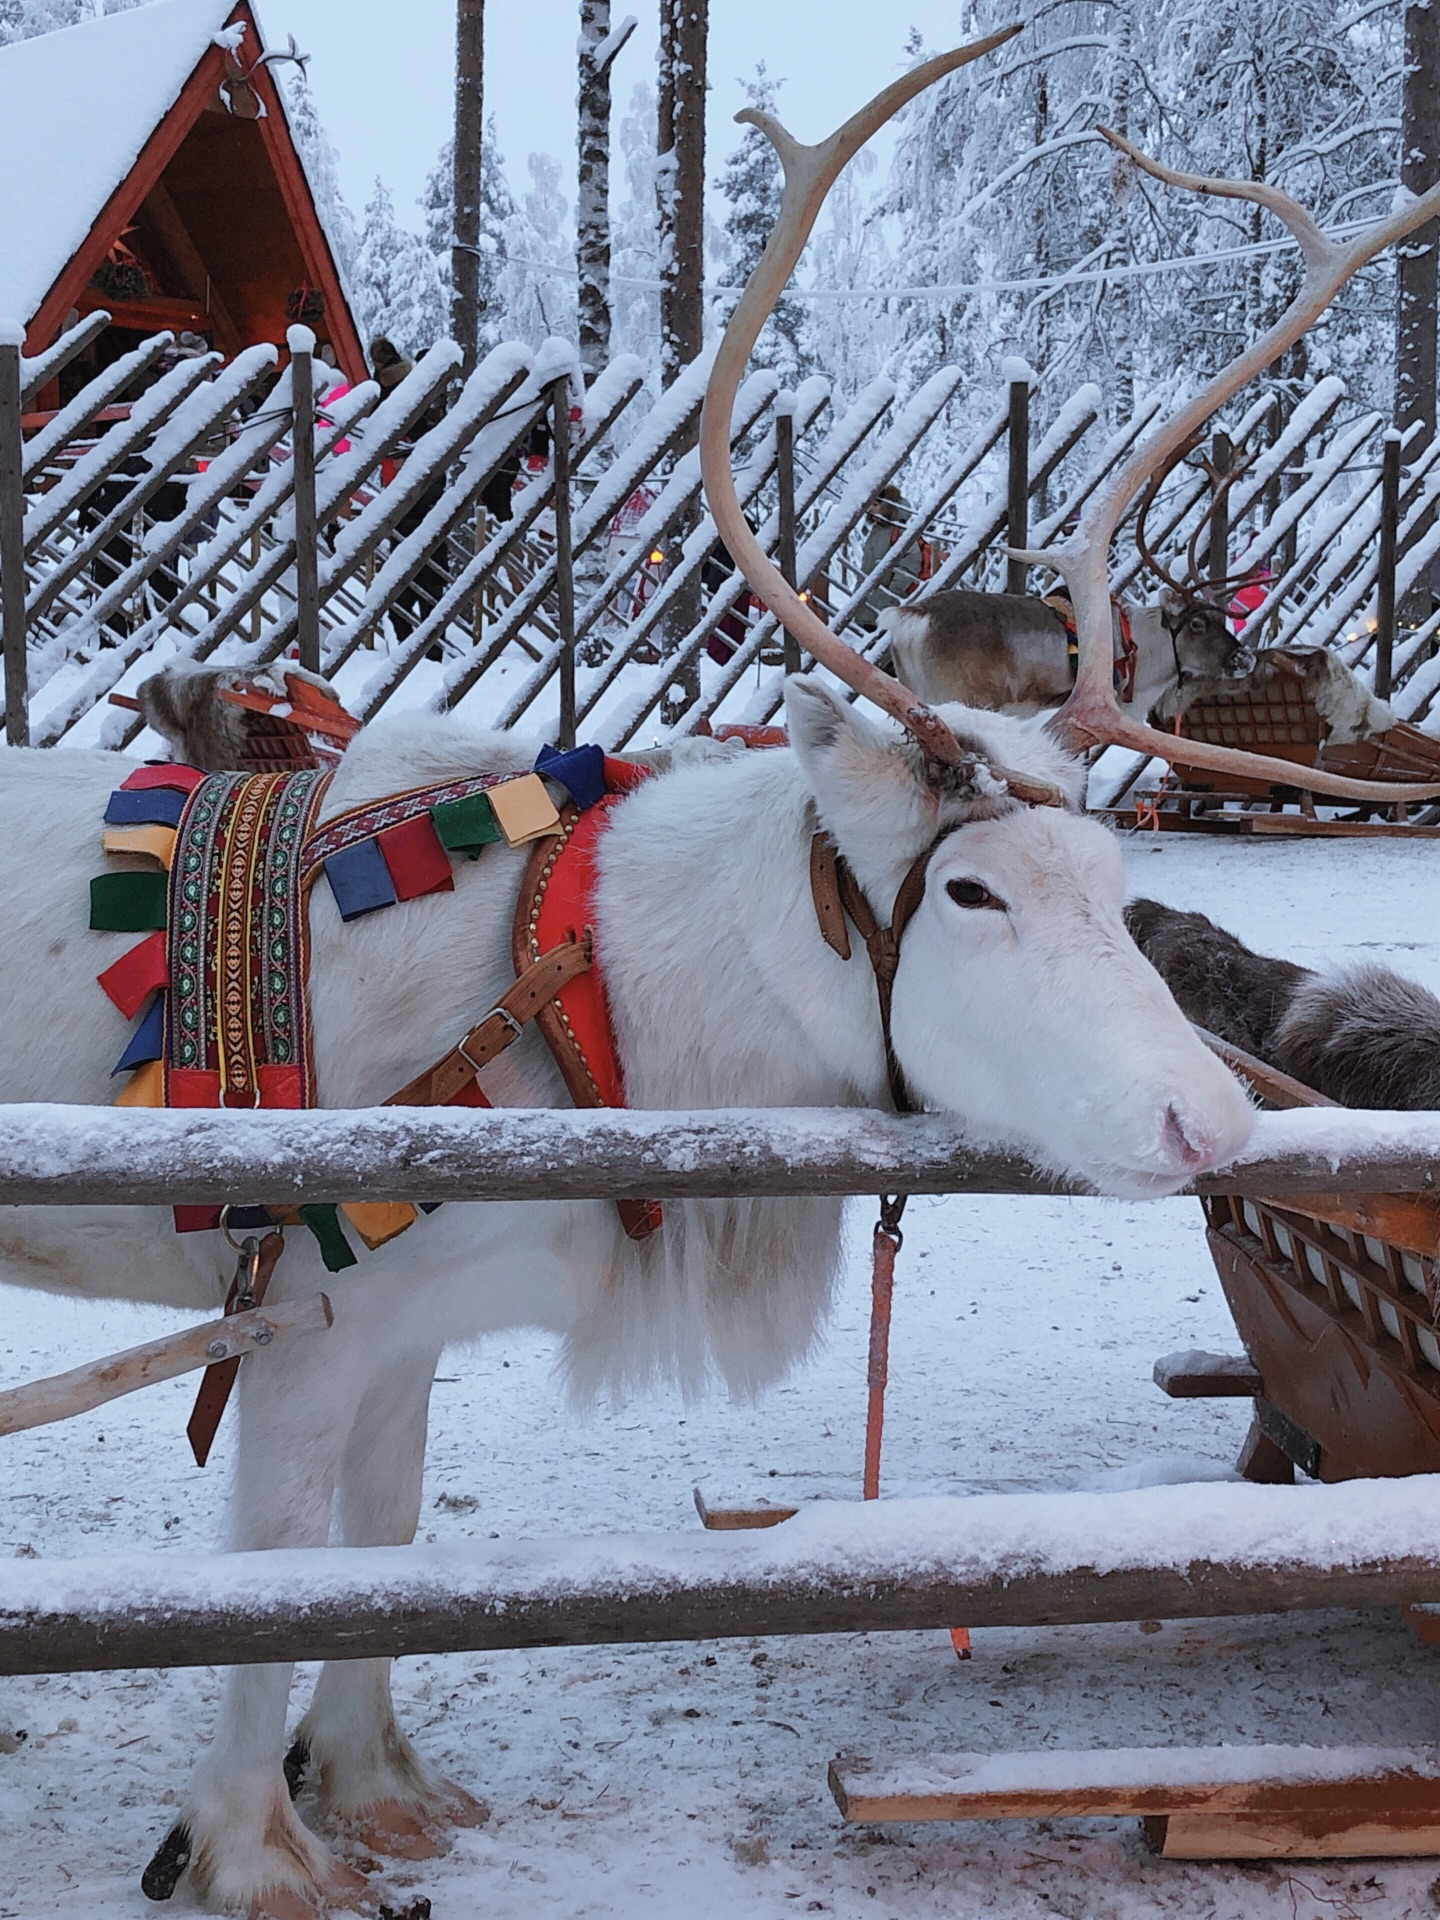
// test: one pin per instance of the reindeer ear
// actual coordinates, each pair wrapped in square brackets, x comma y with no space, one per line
[1171,601]
[826,731]
[861,777]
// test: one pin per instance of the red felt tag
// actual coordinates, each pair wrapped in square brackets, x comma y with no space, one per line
[199,1087]
[136,975]
[470,1095]
[623,776]
[417,862]
[178,779]
[196,1219]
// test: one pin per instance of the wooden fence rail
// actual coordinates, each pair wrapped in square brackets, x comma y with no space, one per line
[159,515]
[55,1155]
[1162,1553]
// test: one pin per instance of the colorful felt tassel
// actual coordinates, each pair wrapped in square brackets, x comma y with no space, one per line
[129,902]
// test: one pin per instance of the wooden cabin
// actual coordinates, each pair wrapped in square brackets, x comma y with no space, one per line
[150,170]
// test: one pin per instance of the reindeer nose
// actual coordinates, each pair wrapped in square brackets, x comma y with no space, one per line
[1189,1146]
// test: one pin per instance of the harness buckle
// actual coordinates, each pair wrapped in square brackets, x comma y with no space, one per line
[495,1013]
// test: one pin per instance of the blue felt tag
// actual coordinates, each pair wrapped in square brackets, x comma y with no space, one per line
[151,807]
[148,1040]
[580,770]
[360,879]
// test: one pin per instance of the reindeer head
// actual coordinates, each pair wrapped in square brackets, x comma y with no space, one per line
[1017,999]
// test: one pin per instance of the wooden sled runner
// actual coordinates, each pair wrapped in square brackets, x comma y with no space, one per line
[1199,1803]
[1275,714]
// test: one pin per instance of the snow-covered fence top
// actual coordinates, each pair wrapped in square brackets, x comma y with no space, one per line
[159,519]
[66,1155]
[1027,1559]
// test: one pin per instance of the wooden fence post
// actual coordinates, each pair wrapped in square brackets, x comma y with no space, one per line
[1385,569]
[1017,532]
[785,486]
[12,545]
[564,559]
[301,342]
[1222,458]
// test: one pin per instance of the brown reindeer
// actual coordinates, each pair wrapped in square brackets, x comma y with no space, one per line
[1016,652]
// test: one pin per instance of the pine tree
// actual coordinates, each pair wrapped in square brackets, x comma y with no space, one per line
[396,279]
[322,167]
[751,183]
[497,208]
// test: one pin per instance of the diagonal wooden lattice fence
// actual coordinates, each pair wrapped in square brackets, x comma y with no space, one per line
[536,552]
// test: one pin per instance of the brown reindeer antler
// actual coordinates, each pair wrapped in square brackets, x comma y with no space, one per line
[1092,715]
[809,174]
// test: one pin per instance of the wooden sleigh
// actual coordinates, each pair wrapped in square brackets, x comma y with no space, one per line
[1280,718]
[1336,1298]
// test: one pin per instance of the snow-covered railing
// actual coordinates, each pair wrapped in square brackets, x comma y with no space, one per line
[993,1560]
[53,1155]
[159,519]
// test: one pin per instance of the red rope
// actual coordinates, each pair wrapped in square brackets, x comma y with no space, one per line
[882,1289]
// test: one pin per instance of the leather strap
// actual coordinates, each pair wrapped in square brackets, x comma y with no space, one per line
[836,893]
[533,991]
[825,892]
[215,1387]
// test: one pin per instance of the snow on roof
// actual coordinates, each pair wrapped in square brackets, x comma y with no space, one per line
[76,109]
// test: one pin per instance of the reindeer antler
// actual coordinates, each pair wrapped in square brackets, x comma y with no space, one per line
[809,174]
[1092,715]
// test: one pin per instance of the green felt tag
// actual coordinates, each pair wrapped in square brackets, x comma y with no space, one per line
[335,1249]
[129,902]
[466,826]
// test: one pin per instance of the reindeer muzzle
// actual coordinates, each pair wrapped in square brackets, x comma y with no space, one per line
[1240,663]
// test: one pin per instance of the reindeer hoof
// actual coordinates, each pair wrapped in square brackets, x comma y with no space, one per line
[463,1809]
[344,1888]
[418,1909]
[168,1862]
[400,1829]
[296,1762]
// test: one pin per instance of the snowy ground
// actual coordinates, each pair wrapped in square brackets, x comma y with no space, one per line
[691,1780]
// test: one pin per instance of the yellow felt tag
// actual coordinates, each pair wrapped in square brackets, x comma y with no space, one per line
[145,1087]
[524,808]
[377,1221]
[158,842]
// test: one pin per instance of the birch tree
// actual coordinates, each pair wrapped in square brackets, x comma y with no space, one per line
[469,135]
[680,182]
[598,48]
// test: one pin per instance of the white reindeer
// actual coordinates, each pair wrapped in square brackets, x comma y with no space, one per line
[1020,1004]
[1032,1015]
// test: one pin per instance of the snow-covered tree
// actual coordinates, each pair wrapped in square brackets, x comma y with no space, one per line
[635,240]
[23,19]
[1000,177]
[497,208]
[396,279]
[322,167]
[750,182]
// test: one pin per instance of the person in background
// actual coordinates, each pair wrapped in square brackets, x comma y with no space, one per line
[886,515]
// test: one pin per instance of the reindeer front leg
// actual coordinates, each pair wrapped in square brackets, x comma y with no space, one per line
[245,1847]
[371,1780]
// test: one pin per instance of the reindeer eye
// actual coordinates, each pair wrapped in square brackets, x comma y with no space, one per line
[970,893]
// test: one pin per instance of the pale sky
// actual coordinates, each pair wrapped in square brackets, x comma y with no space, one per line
[382,73]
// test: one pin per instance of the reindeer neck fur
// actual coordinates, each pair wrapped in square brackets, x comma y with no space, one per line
[1157,671]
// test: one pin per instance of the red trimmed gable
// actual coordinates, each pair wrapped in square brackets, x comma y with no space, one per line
[218,212]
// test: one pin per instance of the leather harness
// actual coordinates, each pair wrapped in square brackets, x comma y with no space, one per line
[836,892]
